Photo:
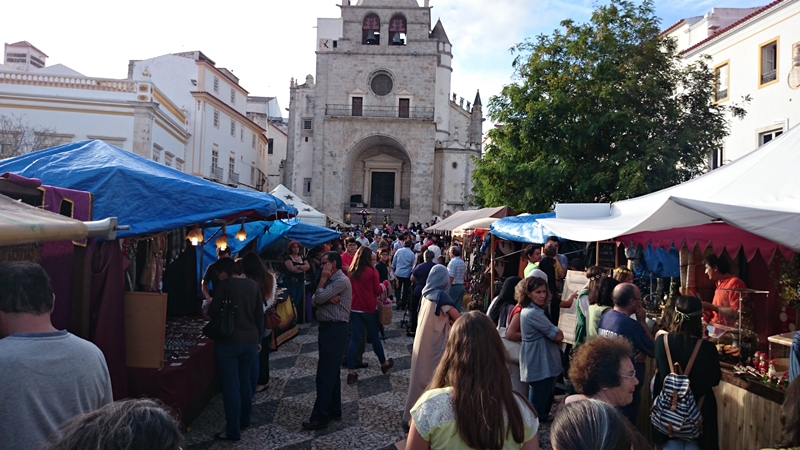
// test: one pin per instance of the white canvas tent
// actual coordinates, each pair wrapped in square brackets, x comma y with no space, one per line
[758,193]
[305,212]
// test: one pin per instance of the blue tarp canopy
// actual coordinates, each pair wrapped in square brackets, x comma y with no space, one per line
[266,234]
[523,228]
[148,196]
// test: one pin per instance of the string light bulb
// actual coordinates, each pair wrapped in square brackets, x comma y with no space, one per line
[241,234]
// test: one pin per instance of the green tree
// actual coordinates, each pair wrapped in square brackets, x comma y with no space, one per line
[599,112]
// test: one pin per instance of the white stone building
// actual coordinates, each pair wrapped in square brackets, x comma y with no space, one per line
[755,54]
[224,145]
[379,127]
[132,114]
[266,112]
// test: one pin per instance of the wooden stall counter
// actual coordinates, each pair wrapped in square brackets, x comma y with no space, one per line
[748,413]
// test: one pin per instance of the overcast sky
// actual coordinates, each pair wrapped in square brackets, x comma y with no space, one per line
[266,42]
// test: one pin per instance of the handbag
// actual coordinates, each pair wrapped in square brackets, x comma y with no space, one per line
[385,314]
[271,318]
[512,347]
[222,324]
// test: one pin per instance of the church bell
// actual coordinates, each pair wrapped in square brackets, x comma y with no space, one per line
[372,38]
[396,40]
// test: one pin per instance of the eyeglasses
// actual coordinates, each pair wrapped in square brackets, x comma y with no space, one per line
[630,376]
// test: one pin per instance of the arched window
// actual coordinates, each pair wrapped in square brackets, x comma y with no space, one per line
[371,31]
[397,30]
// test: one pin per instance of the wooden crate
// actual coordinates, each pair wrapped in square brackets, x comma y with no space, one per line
[145,326]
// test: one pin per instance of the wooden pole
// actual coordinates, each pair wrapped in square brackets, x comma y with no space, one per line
[491,268]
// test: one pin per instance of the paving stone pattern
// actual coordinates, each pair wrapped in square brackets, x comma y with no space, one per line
[372,407]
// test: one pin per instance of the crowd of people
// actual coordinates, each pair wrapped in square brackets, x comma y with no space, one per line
[477,380]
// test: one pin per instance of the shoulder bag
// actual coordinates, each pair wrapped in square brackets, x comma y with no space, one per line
[222,324]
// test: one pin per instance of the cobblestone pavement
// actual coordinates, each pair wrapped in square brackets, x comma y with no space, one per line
[372,407]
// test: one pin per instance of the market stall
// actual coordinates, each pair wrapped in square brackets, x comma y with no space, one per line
[753,225]
[158,203]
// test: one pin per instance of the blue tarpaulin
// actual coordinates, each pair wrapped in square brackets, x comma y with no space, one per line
[523,228]
[266,234]
[148,196]
[660,263]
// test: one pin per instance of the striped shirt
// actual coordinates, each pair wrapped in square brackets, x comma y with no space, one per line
[458,270]
[338,284]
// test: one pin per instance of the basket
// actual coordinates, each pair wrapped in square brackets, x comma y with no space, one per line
[385,314]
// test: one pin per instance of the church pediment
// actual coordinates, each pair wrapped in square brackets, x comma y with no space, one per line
[357,92]
[404,92]
[383,162]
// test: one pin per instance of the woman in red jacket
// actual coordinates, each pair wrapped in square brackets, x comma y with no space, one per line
[366,288]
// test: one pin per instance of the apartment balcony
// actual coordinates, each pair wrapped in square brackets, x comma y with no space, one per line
[233,178]
[216,173]
[384,112]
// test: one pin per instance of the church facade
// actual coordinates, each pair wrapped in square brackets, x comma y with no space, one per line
[378,127]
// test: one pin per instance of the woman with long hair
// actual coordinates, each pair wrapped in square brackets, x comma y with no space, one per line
[366,288]
[501,306]
[539,355]
[437,312]
[504,311]
[685,332]
[254,269]
[600,302]
[623,274]
[470,403]
[296,266]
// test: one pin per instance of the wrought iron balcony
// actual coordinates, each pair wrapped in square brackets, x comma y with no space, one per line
[216,173]
[388,112]
[233,178]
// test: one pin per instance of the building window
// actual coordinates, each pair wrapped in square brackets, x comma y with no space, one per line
[233,96]
[768,136]
[306,187]
[721,82]
[768,63]
[241,134]
[371,30]
[168,158]
[397,30]
[179,164]
[216,118]
[214,158]
[270,146]
[381,84]
[233,127]
[307,124]
[157,152]
[231,165]
[253,144]
[404,108]
[358,103]
[253,175]
[717,157]
[216,85]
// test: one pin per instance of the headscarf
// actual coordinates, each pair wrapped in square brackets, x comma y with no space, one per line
[538,273]
[505,297]
[436,287]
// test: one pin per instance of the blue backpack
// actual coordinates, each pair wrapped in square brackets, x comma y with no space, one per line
[675,412]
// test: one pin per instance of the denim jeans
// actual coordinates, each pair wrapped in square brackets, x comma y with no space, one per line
[235,363]
[404,292]
[259,372]
[359,321]
[539,395]
[332,341]
[457,292]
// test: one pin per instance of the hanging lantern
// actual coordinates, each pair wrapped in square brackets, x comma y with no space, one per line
[195,235]
[241,234]
[222,240]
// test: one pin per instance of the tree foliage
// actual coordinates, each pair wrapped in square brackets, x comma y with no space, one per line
[599,112]
[18,137]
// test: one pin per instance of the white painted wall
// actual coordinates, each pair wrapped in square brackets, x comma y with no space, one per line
[773,106]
